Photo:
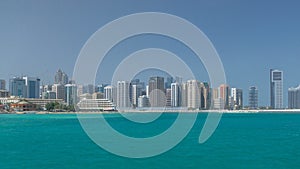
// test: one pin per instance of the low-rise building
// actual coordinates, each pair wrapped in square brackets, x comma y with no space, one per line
[23,106]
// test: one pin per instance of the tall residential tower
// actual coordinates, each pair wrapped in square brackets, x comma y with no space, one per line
[253,97]
[276,89]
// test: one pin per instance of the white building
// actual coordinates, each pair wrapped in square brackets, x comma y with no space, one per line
[193,94]
[219,103]
[123,99]
[136,92]
[79,90]
[109,93]
[276,86]
[168,96]
[143,101]
[294,98]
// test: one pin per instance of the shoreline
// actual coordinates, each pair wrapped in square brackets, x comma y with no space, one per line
[288,111]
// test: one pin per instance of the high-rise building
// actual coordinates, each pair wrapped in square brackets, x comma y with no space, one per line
[193,94]
[237,95]
[108,93]
[156,92]
[17,87]
[143,101]
[205,95]
[253,97]
[137,82]
[216,99]
[61,77]
[294,98]
[230,103]
[168,82]
[2,84]
[276,89]
[71,94]
[136,92]
[123,100]
[32,86]
[224,94]
[136,89]
[183,93]
[175,95]
[147,90]
[59,89]
[168,97]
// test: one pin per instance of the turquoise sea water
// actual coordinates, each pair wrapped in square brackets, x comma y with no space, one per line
[241,141]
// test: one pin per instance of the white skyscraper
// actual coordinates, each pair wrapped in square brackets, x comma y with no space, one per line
[193,94]
[175,95]
[276,86]
[108,93]
[123,99]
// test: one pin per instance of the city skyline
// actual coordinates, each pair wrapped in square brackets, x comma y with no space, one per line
[248,42]
[232,97]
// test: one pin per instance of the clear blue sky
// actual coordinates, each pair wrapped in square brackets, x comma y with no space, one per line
[38,37]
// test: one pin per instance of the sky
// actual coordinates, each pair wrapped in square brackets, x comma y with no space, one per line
[251,37]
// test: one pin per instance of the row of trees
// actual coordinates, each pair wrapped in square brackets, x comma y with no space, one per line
[57,106]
